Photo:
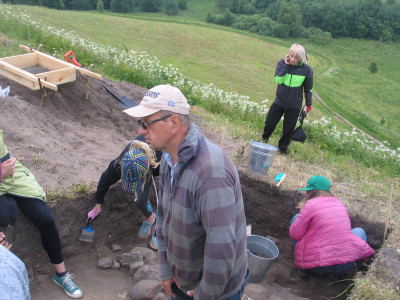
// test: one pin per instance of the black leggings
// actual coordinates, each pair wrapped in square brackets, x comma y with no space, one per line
[38,212]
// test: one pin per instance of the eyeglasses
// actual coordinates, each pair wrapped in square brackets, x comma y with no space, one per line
[146,124]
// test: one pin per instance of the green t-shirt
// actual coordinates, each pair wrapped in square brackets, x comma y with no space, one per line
[23,183]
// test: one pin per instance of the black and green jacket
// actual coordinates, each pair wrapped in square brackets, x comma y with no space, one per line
[292,81]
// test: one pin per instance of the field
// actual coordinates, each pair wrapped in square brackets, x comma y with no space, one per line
[229,58]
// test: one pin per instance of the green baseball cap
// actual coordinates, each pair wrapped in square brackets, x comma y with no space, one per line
[317,182]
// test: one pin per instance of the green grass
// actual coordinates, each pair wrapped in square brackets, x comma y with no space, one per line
[241,62]
[360,96]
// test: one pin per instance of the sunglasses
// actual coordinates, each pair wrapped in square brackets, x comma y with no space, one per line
[145,125]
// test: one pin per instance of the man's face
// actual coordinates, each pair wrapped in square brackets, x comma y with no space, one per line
[157,134]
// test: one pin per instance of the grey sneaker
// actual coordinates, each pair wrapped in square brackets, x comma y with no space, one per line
[153,241]
[145,230]
[69,287]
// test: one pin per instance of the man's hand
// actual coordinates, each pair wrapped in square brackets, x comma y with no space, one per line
[8,167]
[191,293]
[308,108]
[167,286]
[4,242]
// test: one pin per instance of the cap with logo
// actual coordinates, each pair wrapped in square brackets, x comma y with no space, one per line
[160,97]
[317,182]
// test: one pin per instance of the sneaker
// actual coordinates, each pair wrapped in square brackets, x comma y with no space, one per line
[69,287]
[153,241]
[145,230]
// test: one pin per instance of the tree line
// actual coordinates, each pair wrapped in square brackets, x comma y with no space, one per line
[170,7]
[319,20]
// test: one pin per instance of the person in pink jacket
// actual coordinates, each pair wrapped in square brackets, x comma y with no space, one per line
[322,234]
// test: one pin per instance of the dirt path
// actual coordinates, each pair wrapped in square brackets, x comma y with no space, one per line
[342,119]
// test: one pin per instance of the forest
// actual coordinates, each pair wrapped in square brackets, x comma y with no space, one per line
[317,20]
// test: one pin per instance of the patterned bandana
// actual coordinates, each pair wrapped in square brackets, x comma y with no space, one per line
[134,168]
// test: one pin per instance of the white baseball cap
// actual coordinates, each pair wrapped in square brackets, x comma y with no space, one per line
[160,97]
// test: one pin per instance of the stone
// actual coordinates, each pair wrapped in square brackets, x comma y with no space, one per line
[104,263]
[115,264]
[136,266]
[256,291]
[146,272]
[145,289]
[126,259]
[115,248]
[149,256]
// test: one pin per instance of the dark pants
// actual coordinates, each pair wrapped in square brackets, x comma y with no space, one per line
[38,212]
[275,113]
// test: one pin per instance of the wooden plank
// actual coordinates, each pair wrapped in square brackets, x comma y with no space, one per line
[51,63]
[59,76]
[46,60]
[22,61]
[90,73]
[21,80]
[23,77]
[42,58]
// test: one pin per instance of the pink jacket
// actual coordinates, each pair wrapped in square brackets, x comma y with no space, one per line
[323,234]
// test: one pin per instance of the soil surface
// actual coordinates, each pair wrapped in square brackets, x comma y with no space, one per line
[70,141]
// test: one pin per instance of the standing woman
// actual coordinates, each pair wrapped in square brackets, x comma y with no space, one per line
[322,234]
[19,189]
[294,77]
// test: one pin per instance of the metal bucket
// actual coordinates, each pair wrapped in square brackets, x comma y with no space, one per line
[260,157]
[261,253]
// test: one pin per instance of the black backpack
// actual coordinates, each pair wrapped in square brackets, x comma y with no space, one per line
[298,134]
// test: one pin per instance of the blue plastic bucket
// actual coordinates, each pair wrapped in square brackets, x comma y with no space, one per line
[260,157]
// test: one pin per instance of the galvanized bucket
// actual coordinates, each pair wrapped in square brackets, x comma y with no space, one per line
[261,253]
[260,157]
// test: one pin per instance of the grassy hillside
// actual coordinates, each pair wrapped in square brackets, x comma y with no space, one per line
[244,63]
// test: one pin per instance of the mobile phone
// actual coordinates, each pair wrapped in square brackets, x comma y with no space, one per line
[9,234]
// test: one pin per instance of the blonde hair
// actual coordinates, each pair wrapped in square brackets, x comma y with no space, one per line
[300,52]
[311,195]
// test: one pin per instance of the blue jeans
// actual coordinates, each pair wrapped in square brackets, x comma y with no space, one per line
[182,296]
[341,268]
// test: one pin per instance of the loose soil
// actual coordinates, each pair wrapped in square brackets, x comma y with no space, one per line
[70,141]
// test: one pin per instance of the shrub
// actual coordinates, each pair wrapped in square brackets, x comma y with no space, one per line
[265,26]
[151,5]
[182,4]
[373,67]
[100,6]
[122,6]
[210,18]
[171,7]
[318,36]
[219,19]
[281,30]
[249,9]
[229,18]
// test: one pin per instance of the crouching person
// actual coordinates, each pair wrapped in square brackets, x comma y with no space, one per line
[322,234]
